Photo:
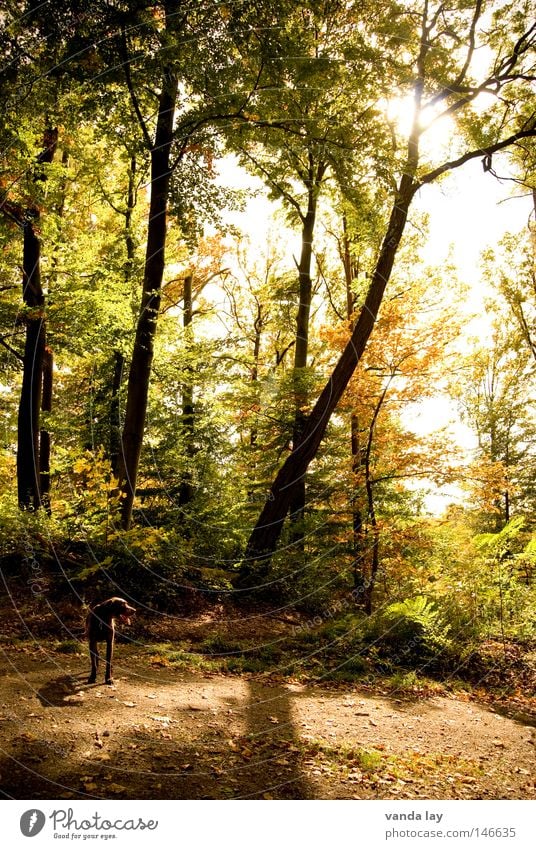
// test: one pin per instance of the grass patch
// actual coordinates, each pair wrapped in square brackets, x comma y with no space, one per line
[68,647]
[219,645]
[222,655]
[167,654]
[415,765]
[244,664]
[373,766]
[410,684]
[344,759]
[355,668]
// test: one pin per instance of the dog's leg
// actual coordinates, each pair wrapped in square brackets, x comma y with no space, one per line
[109,655]
[94,655]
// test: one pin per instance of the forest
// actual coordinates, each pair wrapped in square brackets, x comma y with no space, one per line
[257,381]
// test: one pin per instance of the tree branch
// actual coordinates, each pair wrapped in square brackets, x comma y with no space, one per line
[133,96]
[501,73]
[473,154]
[323,277]
[11,350]
[461,76]
[13,211]
[288,197]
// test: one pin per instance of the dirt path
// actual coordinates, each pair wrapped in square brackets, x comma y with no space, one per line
[160,733]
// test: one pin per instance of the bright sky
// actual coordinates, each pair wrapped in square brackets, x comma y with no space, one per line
[469,212]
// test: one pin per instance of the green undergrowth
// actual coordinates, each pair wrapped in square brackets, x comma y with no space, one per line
[317,657]
[407,648]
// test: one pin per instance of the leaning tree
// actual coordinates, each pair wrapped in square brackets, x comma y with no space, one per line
[440,60]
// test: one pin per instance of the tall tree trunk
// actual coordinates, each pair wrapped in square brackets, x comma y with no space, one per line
[28,465]
[115,413]
[118,357]
[142,355]
[313,183]
[131,204]
[29,415]
[358,541]
[370,579]
[257,326]
[297,503]
[44,438]
[48,358]
[351,271]
[266,532]
[188,413]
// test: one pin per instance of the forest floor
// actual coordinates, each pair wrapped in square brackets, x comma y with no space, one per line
[166,730]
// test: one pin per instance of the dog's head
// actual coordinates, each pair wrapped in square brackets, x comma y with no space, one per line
[121,610]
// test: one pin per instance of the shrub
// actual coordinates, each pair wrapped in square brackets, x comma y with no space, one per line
[409,631]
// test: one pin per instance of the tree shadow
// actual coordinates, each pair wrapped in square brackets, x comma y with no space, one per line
[274,767]
[63,691]
[517,714]
[188,737]
[40,769]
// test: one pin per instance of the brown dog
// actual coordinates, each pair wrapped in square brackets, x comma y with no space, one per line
[100,627]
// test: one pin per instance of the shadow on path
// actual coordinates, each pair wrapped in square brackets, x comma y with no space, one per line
[63,691]
[274,770]
[172,735]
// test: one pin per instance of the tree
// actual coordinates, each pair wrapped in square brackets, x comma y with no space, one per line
[443,86]
[496,391]
[204,266]
[512,268]
[305,129]
[176,62]
[33,443]
[405,362]
[142,355]
[195,60]
[34,80]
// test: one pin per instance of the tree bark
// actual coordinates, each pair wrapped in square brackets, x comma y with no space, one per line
[119,359]
[358,543]
[297,503]
[115,413]
[131,205]
[188,413]
[44,438]
[142,355]
[257,327]
[28,465]
[266,532]
[48,359]
[29,414]
[313,182]
[370,579]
